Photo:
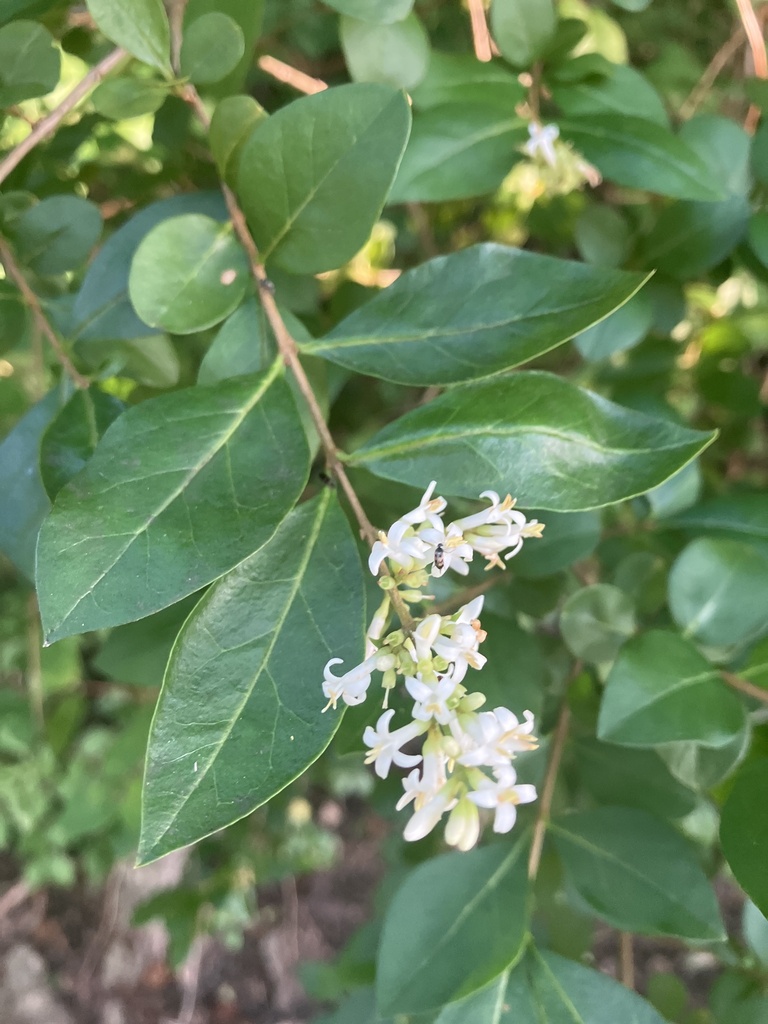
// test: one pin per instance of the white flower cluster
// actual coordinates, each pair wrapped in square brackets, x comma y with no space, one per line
[433,658]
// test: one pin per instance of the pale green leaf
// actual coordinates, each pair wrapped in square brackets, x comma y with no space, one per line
[140,26]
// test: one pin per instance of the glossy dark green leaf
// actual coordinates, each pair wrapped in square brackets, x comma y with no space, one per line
[120,98]
[395,54]
[233,120]
[473,313]
[24,501]
[379,12]
[596,621]
[314,177]
[624,91]
[212,47]
[568,537]
[240,713]
[57,234]
[545,987]
[241,346]
[661,690]
[457,151]
[457,922]
[461,78]
[522,29]
[546,441]
[744,831]
[641,154]
[718,591]
[71,438]
[626,777]
[188,273]
[140,26]
[30,62]
[637,873]
[622,330]
[181,489]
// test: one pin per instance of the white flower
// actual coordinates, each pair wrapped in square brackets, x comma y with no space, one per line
[428,815]
[427,511]
[492,738]
[385,745]
[425,635]
[431,698]
[542,141]
[503,796]
[352,686]
[401,544]
[421,788]
[449,550]
[460,649]
[463,827]
[492,530]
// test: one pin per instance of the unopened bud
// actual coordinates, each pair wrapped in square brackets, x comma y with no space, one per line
[395,639]
[472,701]
[441,665]
[389,679]
[386,582]
[412,596]
[386,661]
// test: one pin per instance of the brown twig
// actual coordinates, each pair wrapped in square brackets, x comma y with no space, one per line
[41,321]
[745,687]
[290,353]
[727,52]
[13,897]
[47,125]
[550,780]
[289,75]
[481,37]
[626,960]
[756,42]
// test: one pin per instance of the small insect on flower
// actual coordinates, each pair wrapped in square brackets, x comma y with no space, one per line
[439,557]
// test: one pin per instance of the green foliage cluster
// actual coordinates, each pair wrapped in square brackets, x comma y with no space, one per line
[544,273]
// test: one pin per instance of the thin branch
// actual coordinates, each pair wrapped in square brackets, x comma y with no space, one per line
[626,960]
[481,37]
[290,352]
[47,125]
[745,687]
[756,42]
[289,75]
[41,321]
[726,53]
[550,780]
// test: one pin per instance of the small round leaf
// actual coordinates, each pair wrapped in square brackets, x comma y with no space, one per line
[189,273]
[596,621]
[396,54]
[213,46]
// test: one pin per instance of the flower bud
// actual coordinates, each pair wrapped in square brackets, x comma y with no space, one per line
[386,582]
[472,702]
[386,660]
[463,827]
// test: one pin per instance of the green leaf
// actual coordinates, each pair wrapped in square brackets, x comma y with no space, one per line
[137,653]
[139,26]
[458,151]
[102,309]
[691,238]
[522,29]
[121,98]
[233,120]
[680,491]
[545,987]
[14,320]
[240,347]
[622,776]
[71,438]
[313,177]
[566,449]
[379,12]
[396,54]
[602,236]
[741,515]
[758,235]
[515,673]
[30,62]
[568,538]
[624,92]
[472,313]
[188,273]
[462,78]
[152,361]
[240,713]
[596,621]
[181,489]
[457,921]
[622,330]
[637,873]
[57,234]
[25,503]
[212,47]
[248,15]
[661,690]
[718,591]
[641,154]
[744,831]
[700,767]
